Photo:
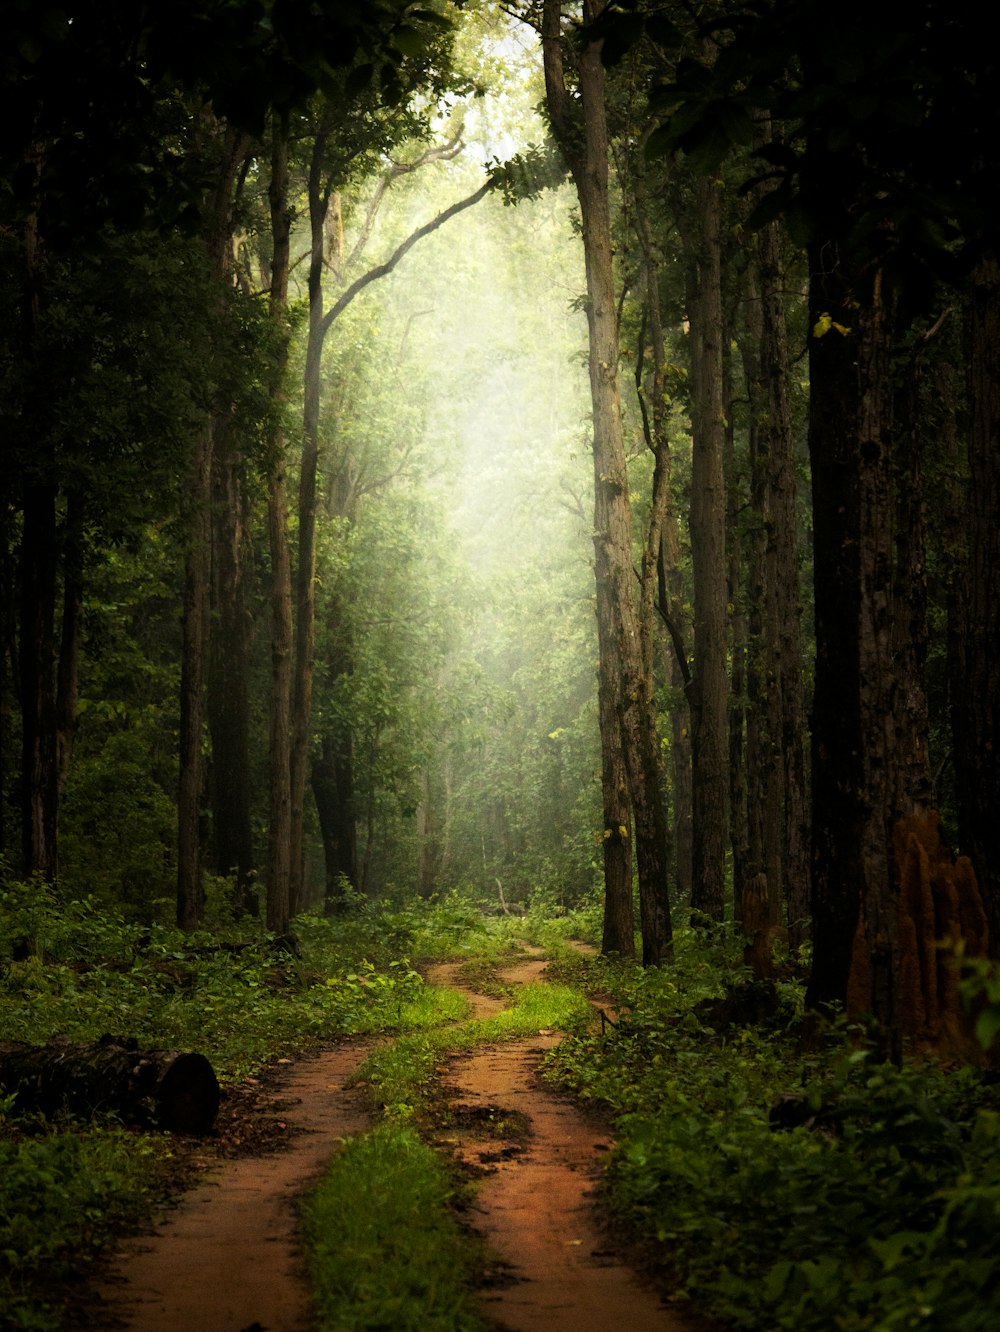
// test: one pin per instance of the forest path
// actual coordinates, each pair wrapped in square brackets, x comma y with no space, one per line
[227,1257]
[228,1260]
[539,1158]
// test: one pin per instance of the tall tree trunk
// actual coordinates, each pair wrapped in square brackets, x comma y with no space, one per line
[305,575]
[836,768]
[194,654]
[661,559]
[67,671]
[776,719]
[333,769]
[976,711]
[741,710]
[619,917]
[39,758]
[784,605]
[710,762]
[197,571]
[38,578]
[620,640]
[228,686]
[671,595]
[870,750]
[279,746]
[882,762]
[427,826]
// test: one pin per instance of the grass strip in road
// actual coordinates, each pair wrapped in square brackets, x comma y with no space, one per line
[399,1074]
[385,1248]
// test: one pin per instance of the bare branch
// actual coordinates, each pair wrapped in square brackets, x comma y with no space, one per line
[382,270]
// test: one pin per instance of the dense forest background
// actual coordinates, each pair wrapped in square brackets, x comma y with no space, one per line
[343,348]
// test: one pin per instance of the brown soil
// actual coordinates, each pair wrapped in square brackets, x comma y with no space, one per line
[226,1260]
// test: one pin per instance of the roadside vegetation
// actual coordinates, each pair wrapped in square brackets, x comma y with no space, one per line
[773,1182]
[780,1177]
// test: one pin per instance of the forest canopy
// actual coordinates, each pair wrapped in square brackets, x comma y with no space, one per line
[540,451]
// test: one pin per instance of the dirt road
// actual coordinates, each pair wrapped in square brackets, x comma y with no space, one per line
[226,1259]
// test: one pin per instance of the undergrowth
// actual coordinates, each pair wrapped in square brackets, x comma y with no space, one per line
[778,1189]
[775,1189]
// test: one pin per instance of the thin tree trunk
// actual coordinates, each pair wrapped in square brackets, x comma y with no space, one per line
[67,674]
[279,747]
[619,918]
[305,576]
[39,758]
[671,594]
[228,685]
[427,836]
[38,577]
[741,710]
[333,788]
[710,760]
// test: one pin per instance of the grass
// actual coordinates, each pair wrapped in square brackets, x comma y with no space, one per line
[385,1248]
[400,1073]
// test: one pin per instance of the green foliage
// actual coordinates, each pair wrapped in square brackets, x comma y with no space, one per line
[788,1191]
[61,1195]
[80,970]
[980,991]
[386,1250]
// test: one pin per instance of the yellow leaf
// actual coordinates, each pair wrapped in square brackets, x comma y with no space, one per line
[825,322]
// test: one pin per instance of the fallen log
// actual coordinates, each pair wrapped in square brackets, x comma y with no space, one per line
[174,1090]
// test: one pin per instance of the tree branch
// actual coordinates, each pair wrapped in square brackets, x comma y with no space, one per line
[382,270]
[673,629]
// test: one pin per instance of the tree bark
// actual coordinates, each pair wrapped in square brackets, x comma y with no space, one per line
[710,760]
[742,713]
[197,571]
[618,934]
[67,670]
[836,767]
[39,757]
[784,606]
[279,746]
[228,700]
[776,718]
[619,633]
[869,750]
[333,788]
[172,1090]
[976,712]
[305,572]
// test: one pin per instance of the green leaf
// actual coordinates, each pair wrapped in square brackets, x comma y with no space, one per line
[988,1025]
[409,41]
